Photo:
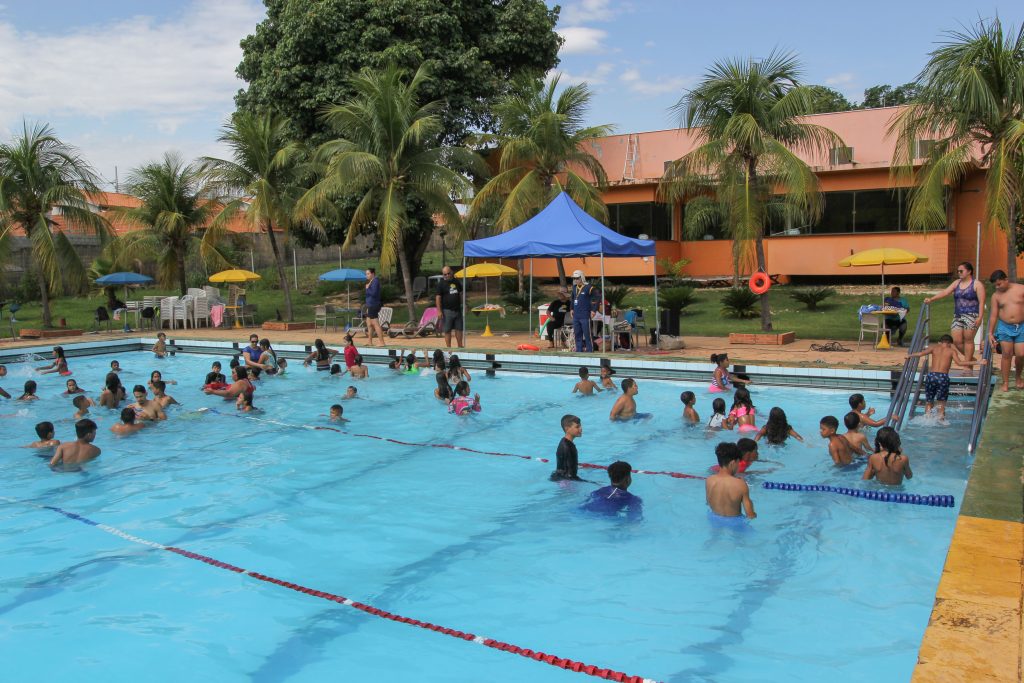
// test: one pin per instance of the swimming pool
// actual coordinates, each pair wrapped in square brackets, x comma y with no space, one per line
[821,586]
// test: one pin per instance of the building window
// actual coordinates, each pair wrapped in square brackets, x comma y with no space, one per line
[863,211]
[641,218]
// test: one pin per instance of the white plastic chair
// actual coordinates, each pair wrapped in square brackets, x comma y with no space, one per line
[200,310]
[167,311]
[871,323]
[182,312]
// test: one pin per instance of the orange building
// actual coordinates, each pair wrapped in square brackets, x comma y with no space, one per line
[862,209]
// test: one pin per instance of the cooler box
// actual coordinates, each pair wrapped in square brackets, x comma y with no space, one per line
[542,316]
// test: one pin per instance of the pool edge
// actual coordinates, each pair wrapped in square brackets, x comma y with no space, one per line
[976,627]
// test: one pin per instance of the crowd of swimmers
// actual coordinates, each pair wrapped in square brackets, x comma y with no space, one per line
[727,494]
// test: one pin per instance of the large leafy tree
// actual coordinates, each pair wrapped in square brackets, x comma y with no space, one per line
[542,150]
[971,100]
[263,176]
[388,153]
[888,95]
[40,174]
[176,217]
[746,170]
[300,59]
[825,100]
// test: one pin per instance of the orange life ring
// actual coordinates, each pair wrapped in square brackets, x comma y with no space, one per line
[760,282]
[527,347]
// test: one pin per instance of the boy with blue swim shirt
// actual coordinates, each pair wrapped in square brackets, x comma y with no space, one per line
[616,499]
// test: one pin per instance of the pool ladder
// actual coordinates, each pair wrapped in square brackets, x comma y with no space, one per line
[982,397]
[910,381]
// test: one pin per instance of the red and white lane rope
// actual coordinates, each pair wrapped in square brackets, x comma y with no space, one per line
[537,655]
[465,449]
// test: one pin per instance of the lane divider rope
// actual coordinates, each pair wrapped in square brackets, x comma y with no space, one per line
[937,500]
[537,655]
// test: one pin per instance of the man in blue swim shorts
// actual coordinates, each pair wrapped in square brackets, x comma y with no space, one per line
[1006,325]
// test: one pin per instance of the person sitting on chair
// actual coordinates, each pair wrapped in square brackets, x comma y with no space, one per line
[893,323]
[556,314]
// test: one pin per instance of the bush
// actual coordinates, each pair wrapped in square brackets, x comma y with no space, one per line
[513,298]
[390,293]
[812,297]
[675,299]
[616,295]
[740,302]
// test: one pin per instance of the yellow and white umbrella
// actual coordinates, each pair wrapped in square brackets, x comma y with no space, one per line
[234,275]
[883,256]
[486,270]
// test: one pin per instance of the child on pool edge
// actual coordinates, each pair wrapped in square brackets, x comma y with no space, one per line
[722,380]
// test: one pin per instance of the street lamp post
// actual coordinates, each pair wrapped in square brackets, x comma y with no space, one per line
[443,233]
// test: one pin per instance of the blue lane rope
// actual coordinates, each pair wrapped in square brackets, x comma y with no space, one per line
[940,501]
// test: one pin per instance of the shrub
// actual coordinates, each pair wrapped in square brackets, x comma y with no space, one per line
[740,302]
[812,297]
[616,295]
[675,299]
[390,293]
[514,299]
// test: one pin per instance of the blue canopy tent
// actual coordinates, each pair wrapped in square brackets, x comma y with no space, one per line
[562,229]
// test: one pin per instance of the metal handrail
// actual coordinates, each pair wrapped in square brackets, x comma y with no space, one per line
[984,393]
[905,384]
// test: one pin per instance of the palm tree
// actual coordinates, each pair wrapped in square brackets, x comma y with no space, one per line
[388,154]
[541,138]
[262,176]
[745,170]
[176,217]
[39,176]
[971,98]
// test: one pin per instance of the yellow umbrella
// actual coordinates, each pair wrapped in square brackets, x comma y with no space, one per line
[234,276]
[883,256]
[486,270]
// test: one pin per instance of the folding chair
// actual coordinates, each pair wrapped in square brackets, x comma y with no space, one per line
[325,314]
[102,316]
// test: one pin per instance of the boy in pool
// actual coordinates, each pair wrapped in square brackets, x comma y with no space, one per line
[215,376]
[30,392]
[80,450]
[160,348]
[73,388]
[3,373]
[567,458]
[160,394]
[585,386]
[336,413]
[838,448]
[82,403]
[128,423]
[748,454]
[724,492]
[350,393]
[860,406]
[858,442]
[625,405]
[690,415]
[607,382]
[44,430]
[936,384]
[358,370]
[615,499]
[244,402]
[115,366]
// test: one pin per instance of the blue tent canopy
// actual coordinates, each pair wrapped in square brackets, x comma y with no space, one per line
[561,229]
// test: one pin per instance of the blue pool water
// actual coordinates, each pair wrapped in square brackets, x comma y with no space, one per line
[819,587]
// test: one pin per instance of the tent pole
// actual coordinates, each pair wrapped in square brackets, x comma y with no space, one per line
[529,311]
[600,307]
[465,342]
[654,324]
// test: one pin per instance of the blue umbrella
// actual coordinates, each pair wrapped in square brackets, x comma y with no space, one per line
[125,279]
[345,275]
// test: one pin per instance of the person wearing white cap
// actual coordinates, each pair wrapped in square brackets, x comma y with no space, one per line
[582,311]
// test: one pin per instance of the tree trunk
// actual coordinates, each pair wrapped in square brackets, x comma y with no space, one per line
[44,298]
[1011,246]
[736,248]
[561,272]
[282,278]
[403,262]
[766,311]
[182,285]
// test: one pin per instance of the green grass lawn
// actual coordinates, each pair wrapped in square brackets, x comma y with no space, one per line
[836,319]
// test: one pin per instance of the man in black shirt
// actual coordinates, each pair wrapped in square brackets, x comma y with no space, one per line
[556,314]
[567,459]
[449,303]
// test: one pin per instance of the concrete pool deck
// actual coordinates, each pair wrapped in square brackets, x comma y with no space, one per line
[977,624]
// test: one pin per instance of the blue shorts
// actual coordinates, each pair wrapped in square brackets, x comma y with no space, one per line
[936,386]
[1010,332]
[740,523]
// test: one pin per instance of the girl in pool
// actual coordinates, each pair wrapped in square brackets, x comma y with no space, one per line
[156,376]
[722,380]
[59,364]
[718,419]
[30,392]
[776,430]
[113,391]
[73,388]
[322,355]
[887,463]
[268,361]
[443,392]
[244,402]
[743,413]
[457,373]
[463,403]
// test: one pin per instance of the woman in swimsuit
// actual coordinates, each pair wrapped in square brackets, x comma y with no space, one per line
[322,355]
[722,380]
[968,307]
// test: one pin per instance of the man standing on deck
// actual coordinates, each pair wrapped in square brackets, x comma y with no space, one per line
[1006,325]
[449,304]
[582,311]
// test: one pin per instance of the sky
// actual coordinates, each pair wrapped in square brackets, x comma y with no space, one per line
[127,80]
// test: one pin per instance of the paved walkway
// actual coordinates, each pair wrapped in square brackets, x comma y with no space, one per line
[697,348]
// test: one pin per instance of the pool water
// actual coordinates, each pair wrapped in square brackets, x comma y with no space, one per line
[818,587]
